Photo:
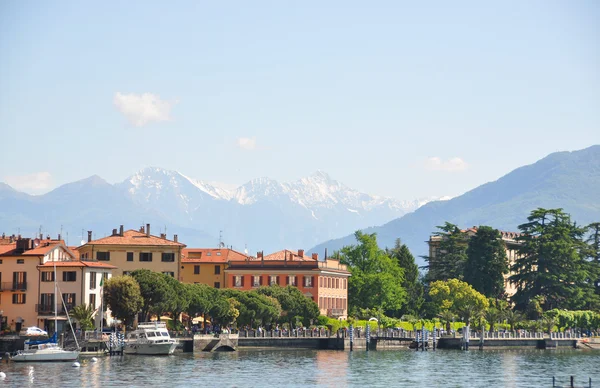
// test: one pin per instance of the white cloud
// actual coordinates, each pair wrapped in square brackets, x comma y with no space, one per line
[35,183]
[450,165]
[141,109]
[246,143]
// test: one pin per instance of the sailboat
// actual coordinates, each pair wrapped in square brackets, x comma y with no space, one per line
[48,350]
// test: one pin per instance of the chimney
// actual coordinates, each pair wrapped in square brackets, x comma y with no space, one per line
[41,236]
[147,230]
[121,231]
[315,256]
[59,237]
[23,244]
[142,230]
[114,233]
[175,238]
[258,255]
[301,252]
[89,236]
[325,253]
[163,236]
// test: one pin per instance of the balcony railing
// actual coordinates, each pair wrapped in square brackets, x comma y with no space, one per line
[335,312]
[13,286]
[44,309]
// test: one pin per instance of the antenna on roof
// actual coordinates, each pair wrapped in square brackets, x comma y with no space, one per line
[221,244]
[246,249]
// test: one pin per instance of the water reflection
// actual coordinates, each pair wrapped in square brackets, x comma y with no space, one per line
[301,368]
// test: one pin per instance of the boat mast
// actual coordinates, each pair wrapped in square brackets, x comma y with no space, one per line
[55,301]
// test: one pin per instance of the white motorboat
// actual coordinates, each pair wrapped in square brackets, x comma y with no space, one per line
[150,338]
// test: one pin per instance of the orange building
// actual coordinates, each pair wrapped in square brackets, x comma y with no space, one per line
[324,281]
[207,265]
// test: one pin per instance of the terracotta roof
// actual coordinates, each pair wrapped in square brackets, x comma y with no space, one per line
[76,263]
[75,252]
[210,255]
[133,237]
[39,251]
[7,248]
[286,254]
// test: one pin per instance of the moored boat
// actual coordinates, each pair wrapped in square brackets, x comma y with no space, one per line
[150,338]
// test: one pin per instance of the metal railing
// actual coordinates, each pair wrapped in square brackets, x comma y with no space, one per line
[46,309]
[13,286]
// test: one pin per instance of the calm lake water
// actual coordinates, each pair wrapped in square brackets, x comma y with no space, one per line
[301,368]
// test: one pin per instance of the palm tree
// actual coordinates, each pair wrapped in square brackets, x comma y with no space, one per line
[468,312]
[493,315]
[446,316]
[548,323]
[512,318]
[84,315]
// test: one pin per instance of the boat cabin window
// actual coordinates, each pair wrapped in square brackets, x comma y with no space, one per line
[165,334]
[150,334]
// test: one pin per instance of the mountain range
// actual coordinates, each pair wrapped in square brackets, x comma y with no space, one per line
[262,214]
[568,180]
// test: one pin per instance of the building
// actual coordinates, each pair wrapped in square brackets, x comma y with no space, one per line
[29,264]
[207,265]
[135,249]
[510,243]
[324,281]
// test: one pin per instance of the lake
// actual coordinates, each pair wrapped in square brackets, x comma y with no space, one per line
[301,368]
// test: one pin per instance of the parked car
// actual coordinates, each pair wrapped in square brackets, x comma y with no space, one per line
[32,331]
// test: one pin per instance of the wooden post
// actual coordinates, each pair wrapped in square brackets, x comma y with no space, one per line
[572,381]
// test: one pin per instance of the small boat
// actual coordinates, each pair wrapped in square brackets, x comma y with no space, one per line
[44,350]
[150,338]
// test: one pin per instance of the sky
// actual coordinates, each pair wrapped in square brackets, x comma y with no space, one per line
[395,98]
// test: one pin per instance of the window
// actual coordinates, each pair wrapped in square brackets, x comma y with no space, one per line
[126,273]
[328,282]
[291,280]
[19,298]
[19,281]
[345,283]
[217,285]
[196,270]
[337,283]
[47,276]
[218,253]
[129,256]
[103,256]
[273,280]
[92,280]
[217,269]
[208,253]
[171,274]
[20,261]
[47,303]
[0,261]
[238,281]
[145,256]
[69,276]
[308,281]
[69,300]
[320,282]
[256,281]
[168,257]
[92,301]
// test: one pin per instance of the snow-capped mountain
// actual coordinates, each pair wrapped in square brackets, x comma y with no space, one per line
[263,212]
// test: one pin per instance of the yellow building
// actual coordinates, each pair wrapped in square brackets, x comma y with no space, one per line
[27,287]
[511,246]
[130,250]
[207,265]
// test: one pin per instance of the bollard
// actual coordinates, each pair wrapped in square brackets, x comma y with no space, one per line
[572,381]
[351,337]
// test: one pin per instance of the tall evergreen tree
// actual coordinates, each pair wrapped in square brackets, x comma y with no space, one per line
[486,262]
[550,263]
[413,286]
[593,255]
[449,259]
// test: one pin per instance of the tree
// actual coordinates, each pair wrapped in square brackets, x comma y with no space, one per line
[486,262]
[179,297]
[593,255]
[155,291]
[446,316]
[412,284]
[512,318]
[84,315]
[376,280]
[123,297]
[449,259]
[493,315]
[201,299]
[294,304]
[549,262]
[458,297]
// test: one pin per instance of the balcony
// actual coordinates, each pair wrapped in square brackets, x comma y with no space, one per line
[13,286]
[44,309]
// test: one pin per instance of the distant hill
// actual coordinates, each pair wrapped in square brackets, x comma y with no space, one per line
[568,180]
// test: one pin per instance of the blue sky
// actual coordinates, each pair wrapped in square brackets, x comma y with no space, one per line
[404,99]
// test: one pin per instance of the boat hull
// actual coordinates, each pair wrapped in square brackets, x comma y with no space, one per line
[150,349]
[49,356]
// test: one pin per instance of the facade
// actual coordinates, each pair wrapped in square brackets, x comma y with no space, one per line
[130,250]
[325,281]
[510,244]
[207,265]
[27,274]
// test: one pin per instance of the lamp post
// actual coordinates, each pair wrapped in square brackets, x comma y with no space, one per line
[1,319]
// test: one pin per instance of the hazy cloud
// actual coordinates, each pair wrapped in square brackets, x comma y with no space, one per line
[246,143]
[141,109]
[35,183]
[451,165]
